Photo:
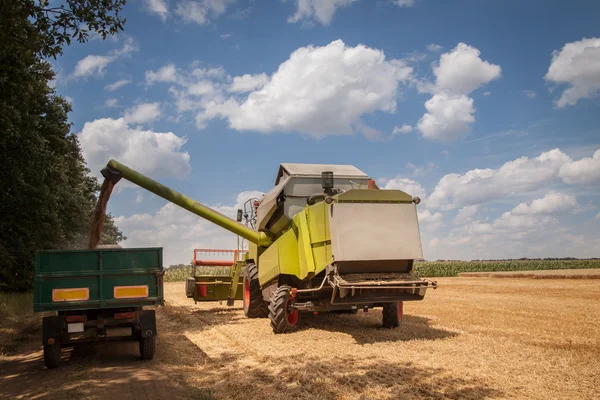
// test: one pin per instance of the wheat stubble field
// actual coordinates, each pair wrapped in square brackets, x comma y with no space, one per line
[472,338]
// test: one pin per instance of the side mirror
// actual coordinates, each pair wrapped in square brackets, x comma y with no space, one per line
[239,215]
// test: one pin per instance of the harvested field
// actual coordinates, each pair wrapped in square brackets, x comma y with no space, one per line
[472,338]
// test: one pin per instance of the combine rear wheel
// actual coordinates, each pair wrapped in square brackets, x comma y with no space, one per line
[392,314]
[284,318]
[254,304]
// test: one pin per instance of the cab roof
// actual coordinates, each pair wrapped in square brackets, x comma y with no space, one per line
[314,171]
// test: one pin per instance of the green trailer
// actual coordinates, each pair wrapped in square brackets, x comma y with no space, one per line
[98,295]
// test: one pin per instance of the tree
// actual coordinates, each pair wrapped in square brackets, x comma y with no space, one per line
[46,193]
[110,232]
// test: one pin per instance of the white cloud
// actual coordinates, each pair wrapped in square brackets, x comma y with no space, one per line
[583,172]
[168,73]
[179,232]
[110,103]
[158,7]
[481,185]
[432,221]
[461,70]
[487,93]
[404,129]
[598,217]
[515,177]
[552,202]
[248,83]
[153,153]
[531,217]
[91,65]
[528,230]
[116,85]
[577,65]
[319,10]
[405,3]
[465,214]
[448,117]
[226,36]
[530,93]
[339,85]
[96,65]
[139,198]
[200,11]
[434,48]
[142,113]
[450,111]
[406,185]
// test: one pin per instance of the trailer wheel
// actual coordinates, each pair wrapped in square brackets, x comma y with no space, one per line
[392,314]
[147,347]
[52,355]
[254,304]
[284,319]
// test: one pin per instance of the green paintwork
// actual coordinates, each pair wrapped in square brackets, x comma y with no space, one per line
[218,288]
[303,250]
[100,270]
[191,205]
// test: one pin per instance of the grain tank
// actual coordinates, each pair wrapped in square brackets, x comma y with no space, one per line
[325,238]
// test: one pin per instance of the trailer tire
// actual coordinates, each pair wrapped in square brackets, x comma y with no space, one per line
[283,319]
[52,355]
[392,315]
[254,304]
[148,347]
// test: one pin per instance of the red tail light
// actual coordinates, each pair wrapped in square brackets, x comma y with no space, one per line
[125,315]
[75,318]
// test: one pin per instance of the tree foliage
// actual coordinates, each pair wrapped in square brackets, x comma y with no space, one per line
[57,25]
[46,193]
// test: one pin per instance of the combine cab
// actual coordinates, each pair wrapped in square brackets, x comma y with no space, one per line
[325,238]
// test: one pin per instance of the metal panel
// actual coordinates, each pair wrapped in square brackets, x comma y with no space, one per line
[99,271]
[374,231]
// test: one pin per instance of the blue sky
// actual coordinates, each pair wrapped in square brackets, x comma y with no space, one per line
[487,110]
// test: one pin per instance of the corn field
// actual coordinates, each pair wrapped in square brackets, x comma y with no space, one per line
[178,273]
[453,268]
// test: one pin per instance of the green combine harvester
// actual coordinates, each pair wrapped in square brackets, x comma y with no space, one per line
[325,238]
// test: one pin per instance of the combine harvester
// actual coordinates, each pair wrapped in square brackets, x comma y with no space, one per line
[325,238]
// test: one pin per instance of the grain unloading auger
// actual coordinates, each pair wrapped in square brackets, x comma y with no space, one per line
[325,238]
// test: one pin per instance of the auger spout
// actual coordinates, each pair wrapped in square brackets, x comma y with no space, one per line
[114,171]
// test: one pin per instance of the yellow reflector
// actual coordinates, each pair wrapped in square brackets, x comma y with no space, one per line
[79,294]
[130,292]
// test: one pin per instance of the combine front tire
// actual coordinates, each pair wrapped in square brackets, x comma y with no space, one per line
[52,355]
[284,318]
[254,304]
[392,314]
